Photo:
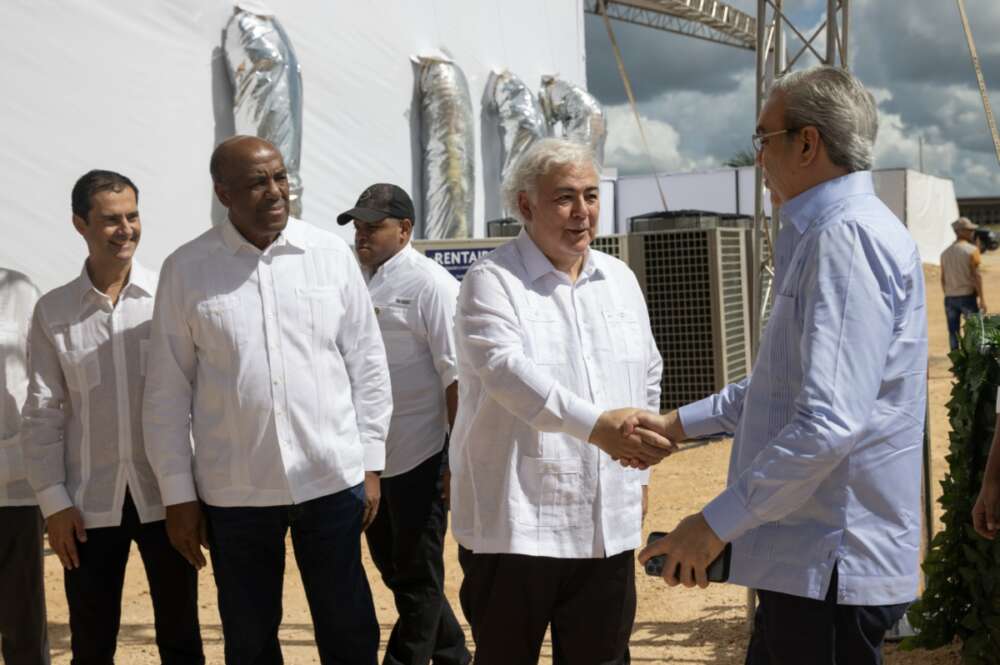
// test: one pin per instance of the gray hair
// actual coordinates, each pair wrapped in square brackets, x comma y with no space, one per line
[537,161]
[838,106]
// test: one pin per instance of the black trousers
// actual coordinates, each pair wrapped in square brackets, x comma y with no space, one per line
[94,592]
[23,632]
[247,545]
[406,542]
[792,630]
[510,599]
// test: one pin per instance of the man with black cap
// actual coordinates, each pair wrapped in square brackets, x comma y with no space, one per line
[414,302]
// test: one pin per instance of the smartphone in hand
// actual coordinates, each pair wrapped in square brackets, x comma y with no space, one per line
[718,570]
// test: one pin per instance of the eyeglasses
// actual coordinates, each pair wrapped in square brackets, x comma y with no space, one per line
[758,139]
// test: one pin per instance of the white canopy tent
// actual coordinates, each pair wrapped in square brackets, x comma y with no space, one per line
[140,87]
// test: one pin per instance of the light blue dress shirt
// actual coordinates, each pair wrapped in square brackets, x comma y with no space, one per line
[828,429]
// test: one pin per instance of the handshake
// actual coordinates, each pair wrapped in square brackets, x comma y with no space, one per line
[637,438]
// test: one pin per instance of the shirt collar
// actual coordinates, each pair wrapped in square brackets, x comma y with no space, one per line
[392,264]
[804,209]
[537,264]
[139,280]
[290,235]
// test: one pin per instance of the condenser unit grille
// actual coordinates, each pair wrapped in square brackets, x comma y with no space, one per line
[609,245]
[679,298]
[732,271]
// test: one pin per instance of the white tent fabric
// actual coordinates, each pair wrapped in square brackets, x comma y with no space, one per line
[139,86]
[925,203]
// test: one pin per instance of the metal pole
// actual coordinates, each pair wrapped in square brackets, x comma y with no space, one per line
[990,122]
[844,25]
[779,39]
[831,32]
[758,225]
[758,219]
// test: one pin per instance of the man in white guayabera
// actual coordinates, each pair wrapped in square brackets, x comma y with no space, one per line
[552,337]
[266,355]
[83,436]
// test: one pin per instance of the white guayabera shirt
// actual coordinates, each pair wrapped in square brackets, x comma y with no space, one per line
[415,301]
[539,359]
[82,430]
[273,363]
[17,300]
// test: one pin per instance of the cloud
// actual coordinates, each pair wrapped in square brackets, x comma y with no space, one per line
[625,151]
[698,98]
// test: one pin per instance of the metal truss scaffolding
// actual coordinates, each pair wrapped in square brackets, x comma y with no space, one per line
[703,19]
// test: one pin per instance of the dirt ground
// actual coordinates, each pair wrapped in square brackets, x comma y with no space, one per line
[704,627]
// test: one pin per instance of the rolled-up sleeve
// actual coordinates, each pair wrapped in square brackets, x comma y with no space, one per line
[44,420]
[167,398]
[360,344]
[847,320]
[492,342]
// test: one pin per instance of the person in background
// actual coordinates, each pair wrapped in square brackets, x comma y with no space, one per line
[961,280]
[23,629]
[414,302]
[83,437]
[266,355]
[823,495]
[552,337]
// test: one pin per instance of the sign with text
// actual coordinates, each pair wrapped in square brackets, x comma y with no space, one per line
[457,260]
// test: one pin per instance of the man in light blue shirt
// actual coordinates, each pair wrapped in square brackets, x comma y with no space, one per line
[823,499]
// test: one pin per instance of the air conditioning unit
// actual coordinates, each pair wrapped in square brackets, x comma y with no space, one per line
[695,281]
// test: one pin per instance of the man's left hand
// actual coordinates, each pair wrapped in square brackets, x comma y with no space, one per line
[373,492]
[689,550]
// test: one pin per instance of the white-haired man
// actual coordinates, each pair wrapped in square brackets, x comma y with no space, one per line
[823,500]
[551,336]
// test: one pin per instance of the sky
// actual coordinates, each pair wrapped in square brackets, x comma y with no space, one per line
[696,98]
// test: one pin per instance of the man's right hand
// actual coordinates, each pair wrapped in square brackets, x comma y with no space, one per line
[65,528]
[187,531]
[644,446]
[645,423]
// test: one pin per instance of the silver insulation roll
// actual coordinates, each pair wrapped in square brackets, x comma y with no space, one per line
[267,86]
[579,113]
[521,119]
[447,139]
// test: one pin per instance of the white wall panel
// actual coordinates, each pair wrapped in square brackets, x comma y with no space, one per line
[139,86]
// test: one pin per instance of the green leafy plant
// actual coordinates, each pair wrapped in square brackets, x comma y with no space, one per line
[962,594]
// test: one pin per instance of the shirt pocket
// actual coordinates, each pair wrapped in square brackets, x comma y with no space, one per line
[320,311]
[81,369]
[548,336]
[553,490]
[221,323]
[400,343]
[623,330]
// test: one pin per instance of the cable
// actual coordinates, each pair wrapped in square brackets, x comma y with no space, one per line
[631,99]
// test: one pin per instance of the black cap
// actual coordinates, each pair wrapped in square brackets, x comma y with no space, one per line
[378,202]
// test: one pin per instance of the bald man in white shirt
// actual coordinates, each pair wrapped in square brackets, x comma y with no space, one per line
[83,434]
[267,356]
[552,337]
